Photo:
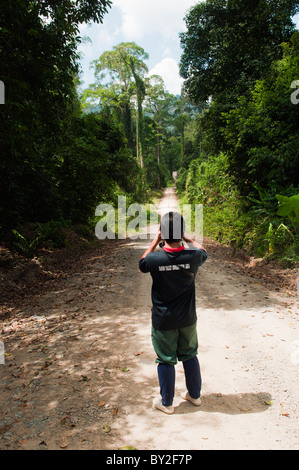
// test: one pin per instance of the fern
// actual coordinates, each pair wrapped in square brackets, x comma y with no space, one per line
[22,245]
[278,238]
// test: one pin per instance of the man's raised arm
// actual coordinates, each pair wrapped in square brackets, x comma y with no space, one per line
[153,245]
[193,242]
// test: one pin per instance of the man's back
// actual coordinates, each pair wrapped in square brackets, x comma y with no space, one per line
[173,289]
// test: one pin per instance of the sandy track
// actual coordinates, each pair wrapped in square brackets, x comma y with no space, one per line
[80,371]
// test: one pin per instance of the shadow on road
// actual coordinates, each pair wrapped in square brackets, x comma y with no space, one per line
[231,404]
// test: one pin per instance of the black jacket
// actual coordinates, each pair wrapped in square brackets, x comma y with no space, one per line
[173,288]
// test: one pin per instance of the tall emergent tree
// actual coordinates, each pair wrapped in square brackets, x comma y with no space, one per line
[126,68]
[157,107]
[149,115]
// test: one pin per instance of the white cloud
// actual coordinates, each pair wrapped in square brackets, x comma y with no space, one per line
[101,38]
[142,17]
[152,24]
[168,69]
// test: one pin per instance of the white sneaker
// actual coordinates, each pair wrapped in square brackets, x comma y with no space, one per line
[157,403]
[194,401]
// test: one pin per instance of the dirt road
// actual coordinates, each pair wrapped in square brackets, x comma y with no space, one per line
[80,373]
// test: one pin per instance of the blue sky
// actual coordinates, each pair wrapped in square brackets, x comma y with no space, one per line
[152,24]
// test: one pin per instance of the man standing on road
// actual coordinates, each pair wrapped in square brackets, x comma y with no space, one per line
[174,334]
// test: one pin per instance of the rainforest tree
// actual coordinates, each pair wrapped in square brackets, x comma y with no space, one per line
[126,68]
[241,58]
[55,161]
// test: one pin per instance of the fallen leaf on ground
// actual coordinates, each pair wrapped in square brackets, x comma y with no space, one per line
[22,442]
[102,403]
[84,378]
[106,428]
[282,413]
[126,448]
[63,419]
[66,420]
[63,443]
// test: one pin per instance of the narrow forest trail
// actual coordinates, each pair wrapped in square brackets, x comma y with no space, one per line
[80,371]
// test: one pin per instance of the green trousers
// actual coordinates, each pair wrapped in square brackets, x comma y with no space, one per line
[173,345]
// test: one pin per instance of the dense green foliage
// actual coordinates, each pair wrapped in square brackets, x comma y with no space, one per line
[241,58]
[231,43]
[152,119]
[57,163]
[63,154]
[232,135]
